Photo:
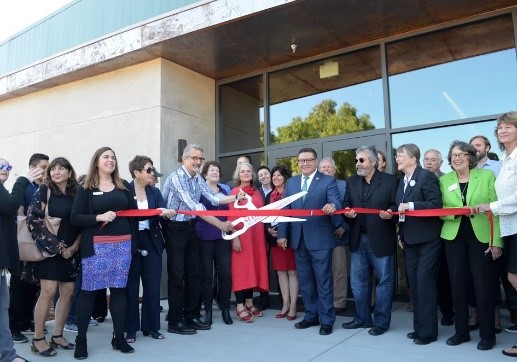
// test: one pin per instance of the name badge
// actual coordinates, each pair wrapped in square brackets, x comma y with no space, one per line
[97,193]
[453,187]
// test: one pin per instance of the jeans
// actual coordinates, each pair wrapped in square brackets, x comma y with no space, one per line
[7,351]
[362,262]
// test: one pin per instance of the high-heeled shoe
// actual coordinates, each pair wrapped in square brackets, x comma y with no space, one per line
[55,345]
[227,319]
[153,334]
[49,352]
[281,315]
[119,343]
[81,348]
[291,317]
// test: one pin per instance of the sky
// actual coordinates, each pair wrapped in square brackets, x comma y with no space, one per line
[16,15]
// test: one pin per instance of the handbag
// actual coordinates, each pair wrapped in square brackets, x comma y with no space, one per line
[27,246]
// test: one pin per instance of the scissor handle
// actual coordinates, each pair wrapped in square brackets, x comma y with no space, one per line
[236,233]
[245,205]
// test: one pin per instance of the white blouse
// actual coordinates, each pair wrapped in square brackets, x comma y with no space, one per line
[506,190]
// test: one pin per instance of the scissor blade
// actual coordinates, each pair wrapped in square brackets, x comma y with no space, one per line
[280,204]
[272,219]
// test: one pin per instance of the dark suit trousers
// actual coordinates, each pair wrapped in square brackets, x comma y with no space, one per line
[183,271]
[314,270]
[218,252]
[149,269]
[466,260]
[444,287]
[23,297]
[422,264]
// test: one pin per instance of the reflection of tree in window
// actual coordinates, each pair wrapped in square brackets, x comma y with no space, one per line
[323,121]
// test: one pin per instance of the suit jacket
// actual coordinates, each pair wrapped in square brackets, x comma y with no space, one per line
[318,231]
[381,195]
[338,219]
[154,200]
[425,194]
[480,190]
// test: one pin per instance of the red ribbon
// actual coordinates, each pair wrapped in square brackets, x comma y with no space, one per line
[308,212]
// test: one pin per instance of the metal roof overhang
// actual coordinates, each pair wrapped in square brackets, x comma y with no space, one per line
[262,40]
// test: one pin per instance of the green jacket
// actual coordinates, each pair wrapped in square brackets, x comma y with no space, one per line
[480,191]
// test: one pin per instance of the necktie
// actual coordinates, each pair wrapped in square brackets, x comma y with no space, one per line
[304,185]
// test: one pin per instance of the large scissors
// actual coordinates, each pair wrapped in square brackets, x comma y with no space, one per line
[249,221]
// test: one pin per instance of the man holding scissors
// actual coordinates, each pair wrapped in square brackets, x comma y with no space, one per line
[313,240]
[182,191]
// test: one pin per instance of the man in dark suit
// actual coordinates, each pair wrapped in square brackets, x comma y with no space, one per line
[313,240]
[372,241]
[419,189]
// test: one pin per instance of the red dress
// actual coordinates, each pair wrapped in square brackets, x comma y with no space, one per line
[281,260]
[249,266]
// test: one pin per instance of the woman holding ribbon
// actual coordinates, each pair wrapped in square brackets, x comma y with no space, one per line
[506,204]
[107,242]
[470,251]
[54,198]
[249,261]
[420,236]
[282,259]
[214,250]
[146,263]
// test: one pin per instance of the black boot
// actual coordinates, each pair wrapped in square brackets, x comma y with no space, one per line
[81,349]
[119,342]
[226,317]
[208,315]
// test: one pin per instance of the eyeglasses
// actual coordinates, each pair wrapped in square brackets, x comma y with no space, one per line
[149,170]
[360,160]
[461,156]
[303,161]
[197,159]
[6,167]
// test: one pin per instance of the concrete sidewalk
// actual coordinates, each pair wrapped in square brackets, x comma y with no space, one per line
[271,339]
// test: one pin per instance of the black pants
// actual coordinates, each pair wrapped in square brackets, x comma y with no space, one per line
[465,257]
[444,287]
[23,297]
[242,295]
[183,271]
[218,252]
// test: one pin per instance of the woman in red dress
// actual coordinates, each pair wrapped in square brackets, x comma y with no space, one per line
[282,258]
[249,261]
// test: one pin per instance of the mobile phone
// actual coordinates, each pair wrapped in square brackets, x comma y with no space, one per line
[488,255]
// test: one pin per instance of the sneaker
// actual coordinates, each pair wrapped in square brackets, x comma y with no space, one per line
[19,338]
[72,327]
[511,329]
[93,322]
[30,329]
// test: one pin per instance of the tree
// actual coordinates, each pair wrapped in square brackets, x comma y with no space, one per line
[323,121]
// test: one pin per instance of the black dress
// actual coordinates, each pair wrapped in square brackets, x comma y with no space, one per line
[54,268]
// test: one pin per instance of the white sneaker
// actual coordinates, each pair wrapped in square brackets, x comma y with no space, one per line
[71,327]
[93,322]
[511,329]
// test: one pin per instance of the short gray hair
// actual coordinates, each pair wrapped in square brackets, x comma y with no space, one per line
[435,151]
[329,159]
[371,151]
[193,146]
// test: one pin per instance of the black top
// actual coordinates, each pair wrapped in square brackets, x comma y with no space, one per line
[114,200]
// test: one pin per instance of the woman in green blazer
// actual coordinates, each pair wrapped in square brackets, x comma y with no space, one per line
[467,238]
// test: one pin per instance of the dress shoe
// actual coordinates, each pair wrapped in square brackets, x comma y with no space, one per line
[473,327]
[457,340]
[354,325]
[424,340]
[339,310]
[291,317]
[197,324]
[486,343]
[207,318]
[447,321]
[281,315]
[180,328]
[376,331]
[412,335]
[306,324]
[227,319]
[325,329]
[119,343]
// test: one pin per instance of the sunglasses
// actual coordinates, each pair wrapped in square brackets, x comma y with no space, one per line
[360,160]
[150,170]
[6,167]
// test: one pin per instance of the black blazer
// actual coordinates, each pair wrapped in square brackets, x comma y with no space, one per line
[425,194]
[381,195]
[154,200]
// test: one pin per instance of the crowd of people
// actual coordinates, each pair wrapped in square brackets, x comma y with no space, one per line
[455,262]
